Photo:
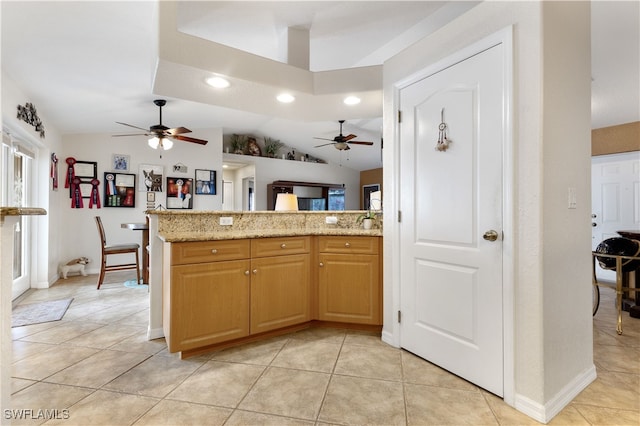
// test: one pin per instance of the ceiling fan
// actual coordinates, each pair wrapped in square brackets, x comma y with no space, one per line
[341,142]
[161,135]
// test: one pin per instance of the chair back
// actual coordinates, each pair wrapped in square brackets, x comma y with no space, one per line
[103,239]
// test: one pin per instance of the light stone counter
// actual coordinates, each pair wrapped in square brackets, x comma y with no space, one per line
[204,226]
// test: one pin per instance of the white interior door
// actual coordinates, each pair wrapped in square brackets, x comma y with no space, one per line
[615,199]
[451,276]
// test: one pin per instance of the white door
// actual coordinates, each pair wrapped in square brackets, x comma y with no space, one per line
[451,276]
[615,199]
[227,195]
[16,191]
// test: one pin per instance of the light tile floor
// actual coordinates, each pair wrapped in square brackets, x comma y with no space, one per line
[97,364]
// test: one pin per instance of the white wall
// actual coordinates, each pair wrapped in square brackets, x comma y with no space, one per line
[77,226]
[552,341]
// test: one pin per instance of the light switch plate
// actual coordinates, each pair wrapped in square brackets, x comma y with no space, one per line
[331,220]
[226,221]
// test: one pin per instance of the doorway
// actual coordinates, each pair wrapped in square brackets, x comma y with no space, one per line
[16,190]
[452,201]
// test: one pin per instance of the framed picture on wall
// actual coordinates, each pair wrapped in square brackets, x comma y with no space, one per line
[179,193]
[85,171]
[366,194]
[205,182]
[119,190]
[120,162]
[150,177]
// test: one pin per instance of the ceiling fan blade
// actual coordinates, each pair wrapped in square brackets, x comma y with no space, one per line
[131,134]
[324,139]
[135,127]
[188,139]
[177,131]
[348,137]
[324,144]
[361,143]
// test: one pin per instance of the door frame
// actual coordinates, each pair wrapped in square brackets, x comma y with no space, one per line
[391,332]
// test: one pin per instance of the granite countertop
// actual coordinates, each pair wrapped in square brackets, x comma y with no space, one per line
[175,237]
[22,211]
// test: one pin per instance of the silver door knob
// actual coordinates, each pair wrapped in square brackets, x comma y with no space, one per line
[490,235]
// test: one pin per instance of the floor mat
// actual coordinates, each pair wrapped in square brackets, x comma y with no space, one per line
[35,313]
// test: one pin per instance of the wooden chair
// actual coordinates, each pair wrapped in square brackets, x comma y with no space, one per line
[108,250]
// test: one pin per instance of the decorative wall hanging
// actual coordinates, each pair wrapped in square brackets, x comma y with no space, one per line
[54,172]
[119,190]
[28,114]
[85,171]
[76,194]
[120,162]
[443,141]
[179,193]
[205,182]
[180,168]
[94,197]
[150,177]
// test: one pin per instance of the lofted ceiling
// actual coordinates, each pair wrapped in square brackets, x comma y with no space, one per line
[86,65]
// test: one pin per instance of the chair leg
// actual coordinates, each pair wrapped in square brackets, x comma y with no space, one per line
[137,267]
[102,271]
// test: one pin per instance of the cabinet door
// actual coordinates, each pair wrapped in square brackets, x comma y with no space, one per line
[209,304]
[279,292]
[349,288]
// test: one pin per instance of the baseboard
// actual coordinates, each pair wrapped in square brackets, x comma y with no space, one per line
[388,339]
[155,333]
[544,413]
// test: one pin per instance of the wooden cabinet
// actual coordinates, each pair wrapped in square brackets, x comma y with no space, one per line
[206,300]
[349,282]
[280,281]
[218,291]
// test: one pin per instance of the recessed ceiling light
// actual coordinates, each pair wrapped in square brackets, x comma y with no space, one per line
[218,82]
[352,100]
[285,98]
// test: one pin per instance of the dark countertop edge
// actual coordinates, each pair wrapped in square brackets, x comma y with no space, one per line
[238,235]
[22,211]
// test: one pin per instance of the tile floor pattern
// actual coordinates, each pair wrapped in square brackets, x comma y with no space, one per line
[97,364]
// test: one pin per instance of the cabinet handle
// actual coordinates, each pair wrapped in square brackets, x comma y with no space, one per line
[283,245]
[321,264]
[255,271]
[347,245]
[214,251]
[246,272]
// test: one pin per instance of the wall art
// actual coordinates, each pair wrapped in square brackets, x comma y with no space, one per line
[119,189]
[205,182]
[150,177]
[179,193]
[120,162]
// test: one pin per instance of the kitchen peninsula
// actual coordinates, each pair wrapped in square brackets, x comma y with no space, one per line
[223,278]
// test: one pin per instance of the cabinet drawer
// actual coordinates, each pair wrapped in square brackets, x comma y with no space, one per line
[362,245]
[279,246]
[209,251]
